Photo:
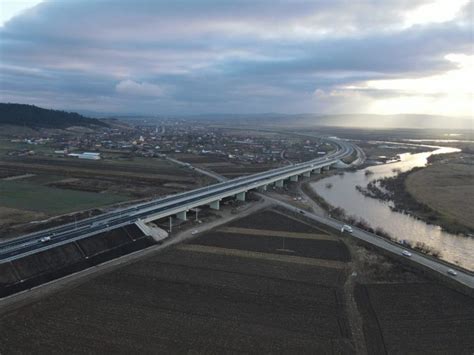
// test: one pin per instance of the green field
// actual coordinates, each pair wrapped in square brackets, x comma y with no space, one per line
[50,200]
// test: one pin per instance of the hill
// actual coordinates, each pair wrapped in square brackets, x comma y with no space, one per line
[36,117]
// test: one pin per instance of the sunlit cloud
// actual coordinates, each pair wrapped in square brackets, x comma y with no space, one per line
[12,8]
[436,11]
[248,56]
[449,93]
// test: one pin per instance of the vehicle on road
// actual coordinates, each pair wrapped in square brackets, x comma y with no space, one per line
[302,212]
[45,239]
[452,272]
[194,231]
[406,253]
[347,228]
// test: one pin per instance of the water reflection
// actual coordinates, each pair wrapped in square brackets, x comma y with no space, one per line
[453,248]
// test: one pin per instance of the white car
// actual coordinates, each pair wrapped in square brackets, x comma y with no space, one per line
[452,272]
[194,231]
[347,228]
[406,253]
[45,239]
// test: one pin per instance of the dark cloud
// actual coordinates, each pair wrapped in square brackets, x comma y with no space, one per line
[215,55]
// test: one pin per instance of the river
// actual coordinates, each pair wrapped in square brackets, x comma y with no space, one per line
[455,249]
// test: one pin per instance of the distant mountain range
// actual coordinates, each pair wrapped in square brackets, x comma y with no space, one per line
[347,120]
[36,117]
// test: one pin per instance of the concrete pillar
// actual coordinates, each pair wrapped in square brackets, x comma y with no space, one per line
[279,183]
[307,174]
[215,205]
[294,178]
[326,167]
[262,188]
[240,196]
[317,171]
[182,215]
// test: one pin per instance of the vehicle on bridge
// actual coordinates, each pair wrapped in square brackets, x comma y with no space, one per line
[347,228]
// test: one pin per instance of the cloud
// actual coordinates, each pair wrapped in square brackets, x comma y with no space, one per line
[223,56]
[130,87]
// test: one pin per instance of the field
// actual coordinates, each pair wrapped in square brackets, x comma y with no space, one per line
[223,166]
[446,188]
[34,188]
[267,283]
[416,318]
[35,269]
[50,200]
[191,302]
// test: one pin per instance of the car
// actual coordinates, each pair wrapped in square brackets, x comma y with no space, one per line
[194,231]
[406,253]
[45,239]
[302,212]
[452,272]
[347,228]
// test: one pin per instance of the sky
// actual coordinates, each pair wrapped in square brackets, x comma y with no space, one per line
[222,56]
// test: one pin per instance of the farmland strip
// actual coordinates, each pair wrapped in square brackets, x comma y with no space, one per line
[264,256]
[273,233]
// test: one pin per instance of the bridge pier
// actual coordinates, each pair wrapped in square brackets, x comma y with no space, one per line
[262,188]
[279,183]
[307,174]
[182,215]
[317,171]
[215,205]
[240,196]
[294,178]
[327,167]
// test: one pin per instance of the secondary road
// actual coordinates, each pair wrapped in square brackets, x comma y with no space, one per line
[440,267]
[209,173]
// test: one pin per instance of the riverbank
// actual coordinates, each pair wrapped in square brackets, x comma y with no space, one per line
[440,194]
[401,227]
[447,187]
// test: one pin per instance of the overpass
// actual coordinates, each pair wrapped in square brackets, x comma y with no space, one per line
[178,205]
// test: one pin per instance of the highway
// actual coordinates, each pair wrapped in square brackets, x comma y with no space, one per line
[163,207]
[462,277]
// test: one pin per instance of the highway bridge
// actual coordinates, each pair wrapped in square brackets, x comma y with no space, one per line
[172,205]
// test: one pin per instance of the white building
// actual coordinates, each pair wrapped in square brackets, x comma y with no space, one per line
[86,155]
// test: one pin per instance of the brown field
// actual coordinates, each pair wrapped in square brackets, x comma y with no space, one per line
[271,220]
[318,249]
[13,215]
[224,292]
[191,302]
[285,234]
[56,262]
[446,188]
[424,318]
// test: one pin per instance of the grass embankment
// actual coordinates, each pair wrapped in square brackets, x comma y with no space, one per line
[447,189]
[440,194]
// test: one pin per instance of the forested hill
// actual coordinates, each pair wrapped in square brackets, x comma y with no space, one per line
[37,117]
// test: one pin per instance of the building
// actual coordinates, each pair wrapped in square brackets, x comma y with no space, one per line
[86,155]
